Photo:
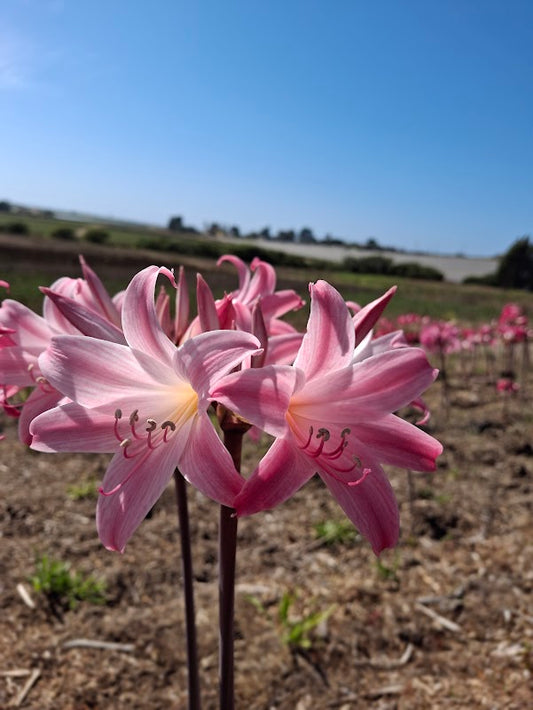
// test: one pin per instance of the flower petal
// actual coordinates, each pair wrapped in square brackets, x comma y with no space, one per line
[207,464]
[98,373]
[329,341]
[143,480]
[206,357]
[279,474]
[261,396]
[371,506]
[70,427]
[377,385]
[84,320]
[367,317]
[102,300]
[39,401]
[394,441]
[140,323]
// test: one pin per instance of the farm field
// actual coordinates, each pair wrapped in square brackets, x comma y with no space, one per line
[443,621]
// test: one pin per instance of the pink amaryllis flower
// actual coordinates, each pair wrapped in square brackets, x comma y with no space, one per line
[333,415]
[146,402]
[256,291]
[75,306]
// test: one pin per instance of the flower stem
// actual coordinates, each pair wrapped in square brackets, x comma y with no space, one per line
[190,621]
[226,584]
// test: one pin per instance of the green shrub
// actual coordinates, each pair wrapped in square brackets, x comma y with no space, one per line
[414,270]
[368,265]
[15,228]
[96,236]
[65,233]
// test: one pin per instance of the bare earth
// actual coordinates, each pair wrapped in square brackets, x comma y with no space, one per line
[445,621]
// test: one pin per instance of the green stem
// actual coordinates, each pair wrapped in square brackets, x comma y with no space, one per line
[190,621]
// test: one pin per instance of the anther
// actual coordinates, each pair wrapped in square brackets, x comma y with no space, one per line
[324,433]
[134,417]
[168,425]
[118,413]
[152,424]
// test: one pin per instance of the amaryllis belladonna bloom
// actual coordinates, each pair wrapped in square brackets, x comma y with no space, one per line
[76,306]
[334,416]
[146,402]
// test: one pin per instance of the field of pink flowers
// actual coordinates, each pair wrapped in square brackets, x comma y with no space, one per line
[442,620]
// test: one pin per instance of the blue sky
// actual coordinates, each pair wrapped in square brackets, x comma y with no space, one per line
[410,121]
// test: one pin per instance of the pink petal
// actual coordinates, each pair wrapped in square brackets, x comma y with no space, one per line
[279,474]
[39,401]
[380,384]
[97,373]
[207,312]
[371,506]
[242,270]
[367,317]
[263,282]
[182,306]
[261,396]
[15,364]
[329,341]
[144,479]
[140,323]
[83,319]
[207,464]
[394,441]
[281,302]
[162,307]
[101,298]
[282,349]
[70,427]
[206,357]
[32,330]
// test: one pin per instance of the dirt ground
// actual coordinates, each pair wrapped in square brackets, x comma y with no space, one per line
[443,621]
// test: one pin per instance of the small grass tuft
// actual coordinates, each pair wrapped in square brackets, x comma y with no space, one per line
[63,588]
[332,532]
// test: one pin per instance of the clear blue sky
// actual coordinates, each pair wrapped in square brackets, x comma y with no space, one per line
[410,121]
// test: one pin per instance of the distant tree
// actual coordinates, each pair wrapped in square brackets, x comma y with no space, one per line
[265,233]
[287,235]
[175,224]
[213,229]
[235,231]
[306,236]
[372,243]
[5,206]
[516,266]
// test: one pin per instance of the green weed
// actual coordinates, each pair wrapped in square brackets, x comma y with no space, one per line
[295,630]
[64,588]
[332,532]
[85,490]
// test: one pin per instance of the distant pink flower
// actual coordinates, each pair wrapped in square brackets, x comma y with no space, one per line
[440,337]
[507,385]
[333,415]
[147,403]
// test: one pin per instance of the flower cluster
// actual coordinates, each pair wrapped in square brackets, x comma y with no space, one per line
[126,376]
